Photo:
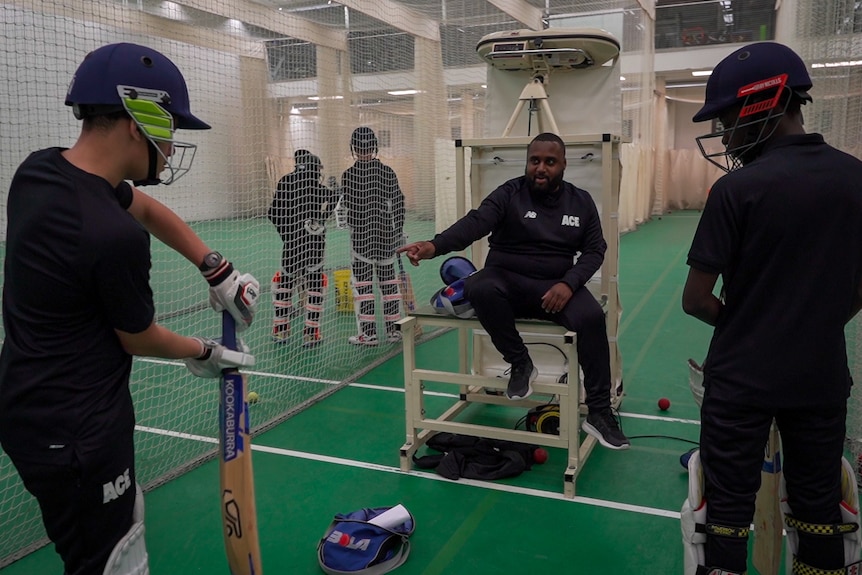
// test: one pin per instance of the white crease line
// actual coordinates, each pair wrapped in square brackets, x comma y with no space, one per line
[248,372]
[401,390]
[432,476]
[660,418]
[455,396]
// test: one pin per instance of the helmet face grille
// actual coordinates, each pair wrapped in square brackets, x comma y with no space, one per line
[756,123]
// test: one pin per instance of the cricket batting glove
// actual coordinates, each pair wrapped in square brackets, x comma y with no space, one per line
[217,357]
[238,294]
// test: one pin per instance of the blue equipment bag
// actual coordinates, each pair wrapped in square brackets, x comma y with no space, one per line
[352,545]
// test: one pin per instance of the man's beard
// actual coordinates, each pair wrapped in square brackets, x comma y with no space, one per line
[549,186]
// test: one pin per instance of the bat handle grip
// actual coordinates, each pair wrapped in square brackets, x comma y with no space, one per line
[228,330]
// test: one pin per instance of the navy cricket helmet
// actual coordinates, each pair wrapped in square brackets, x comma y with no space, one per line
[747,66]
[150,89]
[759,79]
[97,79]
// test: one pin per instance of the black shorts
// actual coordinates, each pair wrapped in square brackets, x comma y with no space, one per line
[87,504]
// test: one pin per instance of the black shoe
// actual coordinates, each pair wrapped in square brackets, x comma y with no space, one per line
[522,375]
[603,425]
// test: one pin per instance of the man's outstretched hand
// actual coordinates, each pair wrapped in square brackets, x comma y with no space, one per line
[418,251]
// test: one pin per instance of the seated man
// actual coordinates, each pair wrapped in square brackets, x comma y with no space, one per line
[538,225]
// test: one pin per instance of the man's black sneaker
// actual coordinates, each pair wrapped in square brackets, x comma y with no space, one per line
[603,425]
[522,376]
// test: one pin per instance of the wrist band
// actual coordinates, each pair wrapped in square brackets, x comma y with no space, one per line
[206,351]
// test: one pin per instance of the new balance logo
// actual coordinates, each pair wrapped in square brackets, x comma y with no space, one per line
[113,489]
[573,221]
[530,214]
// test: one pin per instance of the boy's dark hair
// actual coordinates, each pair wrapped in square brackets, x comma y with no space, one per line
[104,121]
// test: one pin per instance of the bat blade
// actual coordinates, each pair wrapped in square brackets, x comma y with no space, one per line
[768,521]
[406,286]
[239,515]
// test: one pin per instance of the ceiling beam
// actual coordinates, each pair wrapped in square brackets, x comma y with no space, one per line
[521,11]
[397,16]
[274,20]
[134,21]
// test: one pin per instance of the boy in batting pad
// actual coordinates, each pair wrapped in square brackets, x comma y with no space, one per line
[77,304]
[299,210]
[783,228]
[375,216]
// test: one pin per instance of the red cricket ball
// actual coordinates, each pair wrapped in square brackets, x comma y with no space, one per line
[540,455]
[664,404]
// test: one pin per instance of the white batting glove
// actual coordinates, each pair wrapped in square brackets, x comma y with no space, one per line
[238,294]
[217,357]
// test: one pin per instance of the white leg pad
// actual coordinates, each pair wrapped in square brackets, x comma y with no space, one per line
[693,514]
[129,557]
[849,515]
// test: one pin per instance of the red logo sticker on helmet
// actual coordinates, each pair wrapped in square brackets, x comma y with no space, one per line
[776,82]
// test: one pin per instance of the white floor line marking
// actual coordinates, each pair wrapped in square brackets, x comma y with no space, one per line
[430,476]
[246,371]
[455,396]
[424,475]
[401,390]
[660,418]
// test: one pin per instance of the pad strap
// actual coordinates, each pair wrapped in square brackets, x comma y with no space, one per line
[800,568]
[723,530]
[819,529]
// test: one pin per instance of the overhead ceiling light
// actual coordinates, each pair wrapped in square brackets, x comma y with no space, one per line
[403,92]
[686,85]
[622,78]
[843,64]
[316,98]
[294,110]
[698,73]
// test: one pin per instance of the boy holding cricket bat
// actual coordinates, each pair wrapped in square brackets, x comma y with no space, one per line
[77,304]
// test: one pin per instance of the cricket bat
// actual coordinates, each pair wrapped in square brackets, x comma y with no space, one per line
[768,520]
[405,284]
[239,517]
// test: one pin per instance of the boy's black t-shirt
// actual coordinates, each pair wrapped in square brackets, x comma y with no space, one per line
[77,268]
[785,233]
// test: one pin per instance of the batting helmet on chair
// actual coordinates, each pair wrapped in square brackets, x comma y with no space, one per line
[450,300]
[456,268]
